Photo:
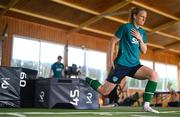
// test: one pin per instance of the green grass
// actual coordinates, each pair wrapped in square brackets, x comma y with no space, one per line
[103,112]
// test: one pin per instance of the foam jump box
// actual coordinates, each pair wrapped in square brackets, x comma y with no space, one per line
[65,93]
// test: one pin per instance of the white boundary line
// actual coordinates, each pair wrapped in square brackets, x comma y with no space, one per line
[23,114]
[143,116]
[16,114]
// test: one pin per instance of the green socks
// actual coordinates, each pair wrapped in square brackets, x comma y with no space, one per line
[149,90]
[93,83]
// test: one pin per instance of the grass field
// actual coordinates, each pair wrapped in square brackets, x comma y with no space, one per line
[103,112]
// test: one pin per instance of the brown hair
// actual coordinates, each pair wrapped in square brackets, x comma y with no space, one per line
[134,11]
[59,57]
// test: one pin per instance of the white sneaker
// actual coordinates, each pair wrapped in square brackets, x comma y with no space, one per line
[149,109]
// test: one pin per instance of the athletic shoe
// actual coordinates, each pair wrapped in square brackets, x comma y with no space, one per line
[149,109]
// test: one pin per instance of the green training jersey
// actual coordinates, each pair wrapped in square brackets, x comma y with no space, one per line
[129,48]
[57,69]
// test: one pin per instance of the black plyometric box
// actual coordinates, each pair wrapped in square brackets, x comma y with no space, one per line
[17,87]
[65,93]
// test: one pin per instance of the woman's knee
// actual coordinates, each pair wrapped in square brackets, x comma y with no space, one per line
[104,91]
[154,76]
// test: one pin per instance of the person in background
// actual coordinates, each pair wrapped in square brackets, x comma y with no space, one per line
[124,97]
[132,41]
[57,69]
[174,97]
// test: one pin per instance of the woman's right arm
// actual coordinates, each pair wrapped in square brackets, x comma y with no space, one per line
[114,41]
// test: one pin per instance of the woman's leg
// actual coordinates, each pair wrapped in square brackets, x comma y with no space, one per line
[144,73]
[147,73]
[104,89]
[152,76]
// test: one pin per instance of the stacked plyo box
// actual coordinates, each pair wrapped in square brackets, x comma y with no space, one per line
[17,87]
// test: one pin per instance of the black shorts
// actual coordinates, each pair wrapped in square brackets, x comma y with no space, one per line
[115,76]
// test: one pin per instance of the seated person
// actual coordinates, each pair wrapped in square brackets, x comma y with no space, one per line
[174,99]
[72,71]
[121,95]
